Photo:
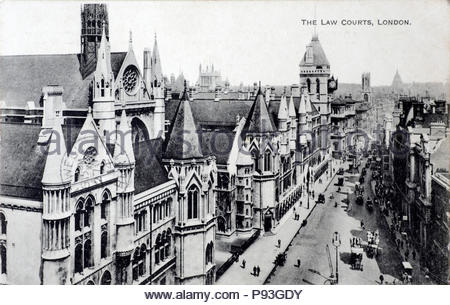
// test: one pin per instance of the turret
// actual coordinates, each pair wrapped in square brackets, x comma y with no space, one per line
[103,90]
[124,161]
[56,212]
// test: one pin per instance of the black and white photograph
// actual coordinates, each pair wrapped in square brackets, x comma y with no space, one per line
[224,143]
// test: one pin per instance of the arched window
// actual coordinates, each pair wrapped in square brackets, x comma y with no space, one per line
[89,211]
[168,242]
[2,259]
[161,248]
[104,206]
[106,278]
[79,216]
[102,87]
[2,224]
[87,253]
[78,258]
[157,245]
[193,200]
[77,174]
[90,283]
[267,161]
[104,245]
[255,156]
[317,86]
[209,253]
[308,85]
[143,260]
[102,168]
[135,263]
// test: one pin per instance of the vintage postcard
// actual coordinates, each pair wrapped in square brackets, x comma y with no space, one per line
[224,143]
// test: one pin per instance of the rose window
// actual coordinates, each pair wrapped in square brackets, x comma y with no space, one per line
[130,79]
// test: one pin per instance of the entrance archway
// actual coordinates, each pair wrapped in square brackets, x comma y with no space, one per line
[268,221]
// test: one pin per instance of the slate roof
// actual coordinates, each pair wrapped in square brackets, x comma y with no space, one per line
[22,78]
[22,160]
[258,119]
[209,112]
[149,171]
[218,143]
[319,57]
[338,101]
[185,136]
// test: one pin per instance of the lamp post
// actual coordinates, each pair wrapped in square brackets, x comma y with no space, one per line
[336,240]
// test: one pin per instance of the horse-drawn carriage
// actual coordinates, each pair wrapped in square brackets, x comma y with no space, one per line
[356,256]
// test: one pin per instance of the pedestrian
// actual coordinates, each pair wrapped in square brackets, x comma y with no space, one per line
[381,279]
[257,270]
[254,270]
[243,263]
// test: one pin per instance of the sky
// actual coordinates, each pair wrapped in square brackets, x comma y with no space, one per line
[249,41]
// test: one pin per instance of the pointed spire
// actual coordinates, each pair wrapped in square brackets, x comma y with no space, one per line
[53,175]
[308,106]
[302,106]
[291,108]
[130,41]
[123,150]
[259,120]
[184,141]
[103,56]
[283,110]
[156,63]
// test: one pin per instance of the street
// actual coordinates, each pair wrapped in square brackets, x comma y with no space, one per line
[310,244]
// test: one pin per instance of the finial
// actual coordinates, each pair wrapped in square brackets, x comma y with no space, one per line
[131,37]
[155,36]
[89,109]
[185,85]
[259,84]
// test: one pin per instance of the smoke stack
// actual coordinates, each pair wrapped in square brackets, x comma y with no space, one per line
[53,105]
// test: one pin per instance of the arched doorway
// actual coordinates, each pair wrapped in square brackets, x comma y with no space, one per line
[268,221]
[106,278]
[221,224]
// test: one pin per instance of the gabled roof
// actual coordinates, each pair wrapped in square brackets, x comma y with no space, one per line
[258,119]
[319,57]
[184,141]
[22,78]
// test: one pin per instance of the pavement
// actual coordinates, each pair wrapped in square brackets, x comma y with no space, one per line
[264,250]
[310,244]
[418,276]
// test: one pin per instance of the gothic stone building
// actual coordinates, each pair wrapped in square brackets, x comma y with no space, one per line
[86,196]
